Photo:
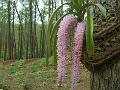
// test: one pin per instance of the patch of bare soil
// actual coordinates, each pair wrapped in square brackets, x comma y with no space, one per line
[84,79]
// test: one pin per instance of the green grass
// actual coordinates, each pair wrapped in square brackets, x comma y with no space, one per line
[21,76]
[32,76]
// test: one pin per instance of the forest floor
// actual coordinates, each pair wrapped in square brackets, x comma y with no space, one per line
[20,75]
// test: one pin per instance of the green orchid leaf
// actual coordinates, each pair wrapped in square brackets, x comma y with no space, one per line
[83,9]
[55,28]
[49,27]
[75,2]
[86,6]
[80,2]
[89,31]
[75,5]
[54,13]
[102,9]
[53,36]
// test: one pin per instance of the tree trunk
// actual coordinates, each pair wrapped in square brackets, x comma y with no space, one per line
[42,34]
[13,33]
[10,39]
[35,33]
[107,79]
[31,30]
[21,35]
[108,75]
[49,8]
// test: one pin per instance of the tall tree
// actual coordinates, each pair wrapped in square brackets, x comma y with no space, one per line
[49,8]
[32,41]
[42,31]
[13,32]
[10,41]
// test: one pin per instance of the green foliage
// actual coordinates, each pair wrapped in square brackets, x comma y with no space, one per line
[13,68]
[17,66]
[53,15]
[51,60]
[79,8]
[80,2]
[102,9]
[89,31]
[75,5]
[53,36]
[34,68]
[42,79]
[48,33]
[36,64]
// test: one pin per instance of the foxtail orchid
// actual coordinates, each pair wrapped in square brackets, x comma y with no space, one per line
[73,19]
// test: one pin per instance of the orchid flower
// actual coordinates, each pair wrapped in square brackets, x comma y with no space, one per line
[73,19]
[76,52]
[67,24]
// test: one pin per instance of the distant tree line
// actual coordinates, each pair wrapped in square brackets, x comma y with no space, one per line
[21,36]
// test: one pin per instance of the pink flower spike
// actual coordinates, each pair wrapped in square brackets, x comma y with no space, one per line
[66,25]
[76,53]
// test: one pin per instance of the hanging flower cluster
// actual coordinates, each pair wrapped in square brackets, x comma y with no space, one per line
[78,9]
[67,24]
[76,53]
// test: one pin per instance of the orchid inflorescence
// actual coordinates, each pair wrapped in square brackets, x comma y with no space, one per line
[74,19]
[66,25]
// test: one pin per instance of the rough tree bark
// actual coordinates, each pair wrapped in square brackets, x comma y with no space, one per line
[108,75]
[107,79]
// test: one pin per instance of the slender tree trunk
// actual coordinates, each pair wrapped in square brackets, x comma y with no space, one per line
[32,37]
[61,13]
[27,34]
[31,45]
[13,16]
[5,44]
[20,55]
[1,32]
[21,35]
[49,8]
[55,8]
[36,41]
[9,32]
[42,34]
[52,4]
[1,41]
[42,37]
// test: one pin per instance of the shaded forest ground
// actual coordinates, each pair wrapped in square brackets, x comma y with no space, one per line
[20,75]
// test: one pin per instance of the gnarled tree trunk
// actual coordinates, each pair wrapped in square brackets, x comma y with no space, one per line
[107,77]
[104,65]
